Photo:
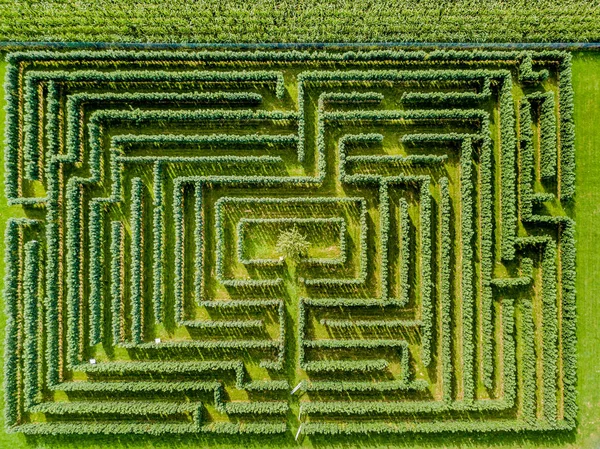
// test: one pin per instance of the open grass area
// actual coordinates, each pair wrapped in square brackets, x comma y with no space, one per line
[392,213]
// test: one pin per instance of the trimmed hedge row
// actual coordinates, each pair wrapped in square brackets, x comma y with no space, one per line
[568,320]
[405,252]
[449,98]
[367,386]
[137,267]
[487,215]
[526,160]
[425,268]
[158,241]
[567,129]
[31,291]
[328,366]
[158,57]
[467,293]
[507,166]
[528,361]
[548,133]
[445,288]
[96,233]
[384,226]
[384,324]
[52,288]
[116,281]
[349,97]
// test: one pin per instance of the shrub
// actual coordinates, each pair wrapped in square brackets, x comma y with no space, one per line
[292,244]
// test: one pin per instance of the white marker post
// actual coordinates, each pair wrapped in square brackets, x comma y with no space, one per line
[297,387]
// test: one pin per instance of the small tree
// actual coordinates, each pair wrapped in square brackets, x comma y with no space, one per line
[292,244]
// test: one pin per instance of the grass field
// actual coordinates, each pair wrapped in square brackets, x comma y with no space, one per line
[586,84]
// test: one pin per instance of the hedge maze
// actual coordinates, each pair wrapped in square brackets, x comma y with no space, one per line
[144,292]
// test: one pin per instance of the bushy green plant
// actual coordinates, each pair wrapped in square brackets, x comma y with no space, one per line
[292,244]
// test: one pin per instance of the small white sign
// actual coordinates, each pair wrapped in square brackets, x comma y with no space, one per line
[92,361]
[157,340]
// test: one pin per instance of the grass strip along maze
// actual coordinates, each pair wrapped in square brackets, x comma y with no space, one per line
[144,291]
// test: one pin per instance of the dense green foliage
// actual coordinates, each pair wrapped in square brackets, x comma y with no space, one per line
[306,21]
[292,244]
[438,225]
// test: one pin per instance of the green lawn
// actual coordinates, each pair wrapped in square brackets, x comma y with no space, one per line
[586,82]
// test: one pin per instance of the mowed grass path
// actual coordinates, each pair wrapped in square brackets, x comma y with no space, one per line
[586,81]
